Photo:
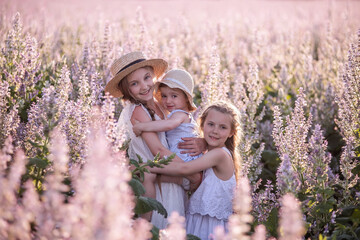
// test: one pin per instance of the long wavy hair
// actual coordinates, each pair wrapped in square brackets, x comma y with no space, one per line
[127,96]
[233,141]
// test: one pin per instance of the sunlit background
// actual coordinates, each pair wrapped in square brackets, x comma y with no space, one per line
[291,67]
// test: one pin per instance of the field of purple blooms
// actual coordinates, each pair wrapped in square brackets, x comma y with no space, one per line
[292,69]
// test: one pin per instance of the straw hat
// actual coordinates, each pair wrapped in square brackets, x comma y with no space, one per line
[127,64]
[177,78]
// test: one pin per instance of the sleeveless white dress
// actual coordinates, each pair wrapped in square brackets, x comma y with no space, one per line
[210,205]
[172,195]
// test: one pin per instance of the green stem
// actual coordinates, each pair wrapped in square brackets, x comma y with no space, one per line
[37,178]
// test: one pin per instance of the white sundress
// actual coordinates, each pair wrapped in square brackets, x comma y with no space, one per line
[172,195]
[210,205]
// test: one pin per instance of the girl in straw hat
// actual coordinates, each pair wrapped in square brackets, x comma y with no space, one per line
[174,92]
[133,80]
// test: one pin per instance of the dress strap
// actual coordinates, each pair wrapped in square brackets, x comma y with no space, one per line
[178,110]
[228,151]
[143,107]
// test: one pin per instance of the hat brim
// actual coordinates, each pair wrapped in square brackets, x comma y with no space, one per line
[173,85]
[159,66]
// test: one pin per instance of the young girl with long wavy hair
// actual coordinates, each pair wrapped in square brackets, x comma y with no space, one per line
[211,203]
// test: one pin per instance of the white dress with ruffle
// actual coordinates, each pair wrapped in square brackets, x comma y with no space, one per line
[172,195]
[210,205]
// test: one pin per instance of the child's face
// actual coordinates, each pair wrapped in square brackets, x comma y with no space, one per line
[173,98]
[141,84]
[217,129]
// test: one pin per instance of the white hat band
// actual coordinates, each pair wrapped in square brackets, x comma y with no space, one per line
[179,83]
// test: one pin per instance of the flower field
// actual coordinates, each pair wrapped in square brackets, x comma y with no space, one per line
[291,67]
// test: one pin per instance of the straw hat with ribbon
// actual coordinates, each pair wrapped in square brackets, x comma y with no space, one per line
[177,78]
[127,64]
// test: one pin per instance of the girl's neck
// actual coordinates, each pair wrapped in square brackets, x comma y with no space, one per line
[153,105]
[213,147]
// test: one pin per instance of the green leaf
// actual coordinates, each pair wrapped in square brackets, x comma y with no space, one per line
[272,222]
[38,137]
[355,217]
[357,232]
[192,237]
[134,162]
[40,163]
[346,221]
[157,156]
[324,208]
[140,160]
[137,187]
[347,211]
[328,192]
[356,170]
[345,237]
[145,204]
[34,144]
[155,233]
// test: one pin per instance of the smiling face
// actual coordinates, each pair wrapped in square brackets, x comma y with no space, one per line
[141,84]
[216,128]
[173,98]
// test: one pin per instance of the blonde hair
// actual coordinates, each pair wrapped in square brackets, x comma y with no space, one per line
[233,141]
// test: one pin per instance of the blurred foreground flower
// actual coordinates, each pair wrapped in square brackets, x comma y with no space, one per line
[291,225]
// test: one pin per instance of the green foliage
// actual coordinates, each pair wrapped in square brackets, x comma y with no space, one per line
[155,233]
[192,237]
[37,165]
[272,222]
[271,162]
[137,187]
[347,223]
[145,204]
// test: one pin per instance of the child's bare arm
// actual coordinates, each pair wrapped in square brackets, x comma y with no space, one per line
[161,125]
[213,158]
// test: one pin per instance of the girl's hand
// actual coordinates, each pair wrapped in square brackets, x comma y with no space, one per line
[193,146]
[195,181]
[136,128]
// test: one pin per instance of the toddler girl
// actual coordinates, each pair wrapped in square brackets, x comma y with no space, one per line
[174,92]
[211,204]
